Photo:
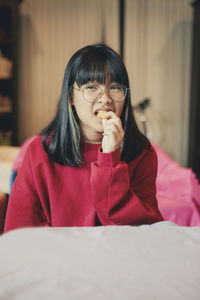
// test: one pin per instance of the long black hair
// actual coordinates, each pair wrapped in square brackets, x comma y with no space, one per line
[62,136]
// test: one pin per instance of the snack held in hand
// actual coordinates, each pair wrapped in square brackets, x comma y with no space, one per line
[102,115]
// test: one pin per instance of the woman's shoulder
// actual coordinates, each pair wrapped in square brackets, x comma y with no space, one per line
[35,143]
[35,149]
[31,154]
[23,148]
[148,154]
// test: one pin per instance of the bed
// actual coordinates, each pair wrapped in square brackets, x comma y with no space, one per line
[159,261]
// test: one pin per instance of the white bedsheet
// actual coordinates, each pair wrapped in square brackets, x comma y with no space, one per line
[158,262]
[5,172]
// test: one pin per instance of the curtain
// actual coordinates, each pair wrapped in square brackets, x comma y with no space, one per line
[51,31]
[158,55]
[157,49]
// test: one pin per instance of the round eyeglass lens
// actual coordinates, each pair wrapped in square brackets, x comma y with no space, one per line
[116,92]
[91,93]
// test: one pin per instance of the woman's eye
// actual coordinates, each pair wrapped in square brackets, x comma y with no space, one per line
[116,88]
[91,87]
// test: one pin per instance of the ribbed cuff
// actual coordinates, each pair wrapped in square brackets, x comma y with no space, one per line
[109,159]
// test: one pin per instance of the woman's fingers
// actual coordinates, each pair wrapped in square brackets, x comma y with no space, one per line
[113,133]
[111,128]
[109,115]
[113,119]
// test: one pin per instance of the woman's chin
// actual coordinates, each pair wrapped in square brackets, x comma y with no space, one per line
[99,128]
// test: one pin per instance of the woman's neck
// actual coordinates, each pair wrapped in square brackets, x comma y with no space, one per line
[95,138]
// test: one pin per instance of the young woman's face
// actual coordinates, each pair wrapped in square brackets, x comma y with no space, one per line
[91,98]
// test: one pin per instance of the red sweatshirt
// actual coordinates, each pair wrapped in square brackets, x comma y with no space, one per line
[104,190]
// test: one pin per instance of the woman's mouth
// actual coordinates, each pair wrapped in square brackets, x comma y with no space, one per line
[101,114]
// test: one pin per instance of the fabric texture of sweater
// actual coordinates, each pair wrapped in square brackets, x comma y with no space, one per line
[103,191]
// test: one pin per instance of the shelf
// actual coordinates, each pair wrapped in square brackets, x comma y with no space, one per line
[6,87]
[6,41]
[6,121]
[3,80]
[5,22]
[7,50]
[5,112]
[6,137]
[9,12]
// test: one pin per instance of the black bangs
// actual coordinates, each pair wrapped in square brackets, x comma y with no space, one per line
[101,69]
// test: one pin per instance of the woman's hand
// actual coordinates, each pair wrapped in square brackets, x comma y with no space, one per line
[113,133]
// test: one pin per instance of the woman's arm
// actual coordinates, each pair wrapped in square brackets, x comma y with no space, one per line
[125,195]
[24,207]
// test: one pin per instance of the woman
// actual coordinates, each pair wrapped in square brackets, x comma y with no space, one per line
[91,165]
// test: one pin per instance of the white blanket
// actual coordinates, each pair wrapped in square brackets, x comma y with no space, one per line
[5,173]
[158,262]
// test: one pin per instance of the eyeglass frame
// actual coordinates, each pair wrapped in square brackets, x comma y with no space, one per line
[102,92]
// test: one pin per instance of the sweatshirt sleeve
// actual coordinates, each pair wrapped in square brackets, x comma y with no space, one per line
[123,195]
[24,207]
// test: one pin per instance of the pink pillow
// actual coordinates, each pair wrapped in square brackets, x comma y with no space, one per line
[178,191]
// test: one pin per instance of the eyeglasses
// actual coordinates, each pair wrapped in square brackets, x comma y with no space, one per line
[92,92]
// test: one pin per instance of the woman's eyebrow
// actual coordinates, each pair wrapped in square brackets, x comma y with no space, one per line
[93,82]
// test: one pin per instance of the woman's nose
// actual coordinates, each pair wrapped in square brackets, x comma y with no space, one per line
[105,97]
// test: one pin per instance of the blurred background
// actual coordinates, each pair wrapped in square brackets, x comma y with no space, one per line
[155,38]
